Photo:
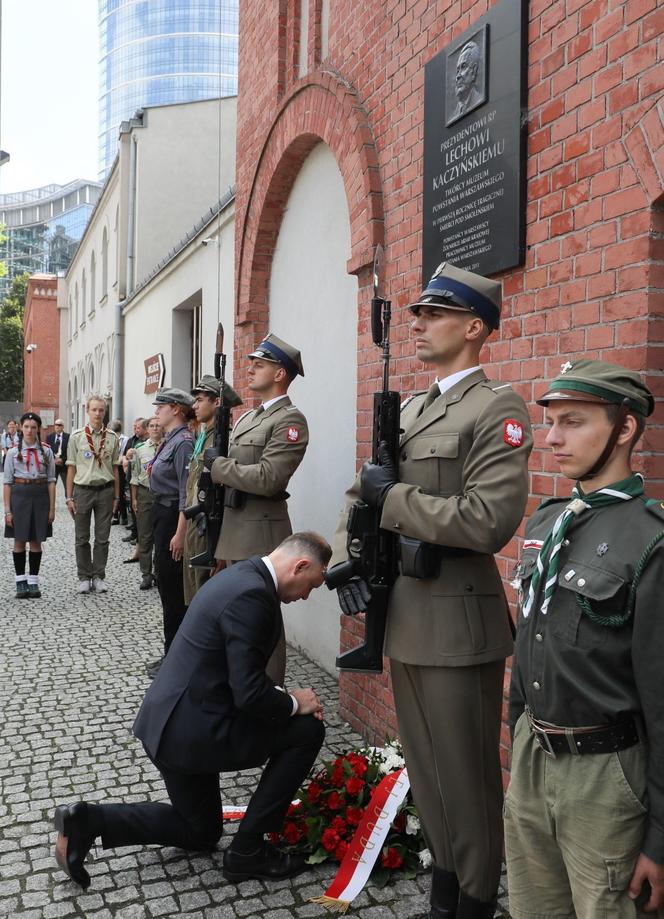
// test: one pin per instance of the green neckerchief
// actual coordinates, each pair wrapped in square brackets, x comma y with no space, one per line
[200,440]
[628,488]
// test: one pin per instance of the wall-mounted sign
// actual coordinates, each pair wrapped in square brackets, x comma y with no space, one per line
[475,113]
[155,370]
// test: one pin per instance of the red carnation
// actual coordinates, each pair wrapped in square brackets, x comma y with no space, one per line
[291,833]
[399,822]
[354,786]
[334,801]
[314,792]
[294,809]
[338,775]
[330,840]
[353,815]
[359,764]
[339,825]
[340,851]
[391,858]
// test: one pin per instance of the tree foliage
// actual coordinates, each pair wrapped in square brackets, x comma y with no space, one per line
[11,340]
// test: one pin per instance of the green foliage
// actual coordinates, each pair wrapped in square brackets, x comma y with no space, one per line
[11,340]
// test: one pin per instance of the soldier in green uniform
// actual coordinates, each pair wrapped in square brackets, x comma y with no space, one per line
[584,812]
[267,445]
[142,498]
[93,486]
[457,497]
[206,396]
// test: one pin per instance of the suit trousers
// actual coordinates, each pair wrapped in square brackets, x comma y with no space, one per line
[61,474]
[89,500]
[193,819]
[449,723]
[144,502]
[169,572]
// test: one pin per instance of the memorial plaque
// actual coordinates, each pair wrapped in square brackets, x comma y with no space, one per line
[475,115]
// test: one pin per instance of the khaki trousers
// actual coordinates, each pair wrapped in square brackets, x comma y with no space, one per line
[573,831]
[449,724]
[92,563]
[144,502]
[193,578]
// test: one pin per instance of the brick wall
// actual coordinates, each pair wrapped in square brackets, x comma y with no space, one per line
[41,326]
[593,280]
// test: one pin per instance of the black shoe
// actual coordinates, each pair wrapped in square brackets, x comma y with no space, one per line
[153,669]
[34,592]
[127,538]
[75,839]
[444,894]
[22,590]
[114,521]
[131,560]
[146,582]
[123,521]
[470,908]
[268,863]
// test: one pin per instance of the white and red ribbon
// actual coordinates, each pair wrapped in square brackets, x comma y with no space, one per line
[367,843]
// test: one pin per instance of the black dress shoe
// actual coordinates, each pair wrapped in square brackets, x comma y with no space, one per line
[268,863]
[127,538]
[147,582]
[444,894]
[470,908]
[75,839]
[131,560]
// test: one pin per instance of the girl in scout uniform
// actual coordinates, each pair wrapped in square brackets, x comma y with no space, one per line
[29,498]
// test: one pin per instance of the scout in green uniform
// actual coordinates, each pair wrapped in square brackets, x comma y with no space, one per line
[93,486]
[459,492]
[142,499]
[206,396]
[584,812]
[267,445]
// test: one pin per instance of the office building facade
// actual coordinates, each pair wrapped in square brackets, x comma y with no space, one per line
[161,52]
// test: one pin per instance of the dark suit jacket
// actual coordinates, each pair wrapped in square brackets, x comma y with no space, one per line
[212,707]
[50,440]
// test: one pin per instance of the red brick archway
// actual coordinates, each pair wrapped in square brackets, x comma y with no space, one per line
[324,108]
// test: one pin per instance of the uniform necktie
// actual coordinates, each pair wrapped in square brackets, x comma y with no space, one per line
[431,396]
[548,556]
[259,411]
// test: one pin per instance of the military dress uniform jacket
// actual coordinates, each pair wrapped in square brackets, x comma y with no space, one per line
[463,486]
[265,449]
[574,671]
[212,700]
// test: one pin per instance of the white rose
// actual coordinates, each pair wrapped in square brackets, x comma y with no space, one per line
[425,858]
[412,825]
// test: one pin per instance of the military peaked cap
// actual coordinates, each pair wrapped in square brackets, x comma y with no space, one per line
[454,288]
[280,352]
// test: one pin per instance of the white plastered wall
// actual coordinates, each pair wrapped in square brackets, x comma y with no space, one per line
[313,305]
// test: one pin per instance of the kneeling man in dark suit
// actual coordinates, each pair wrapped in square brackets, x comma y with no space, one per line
[213,709]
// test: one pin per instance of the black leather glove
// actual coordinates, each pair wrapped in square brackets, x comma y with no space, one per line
[376,481]
[209,457]
[354,596]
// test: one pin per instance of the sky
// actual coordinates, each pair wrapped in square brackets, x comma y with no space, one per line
[49,105]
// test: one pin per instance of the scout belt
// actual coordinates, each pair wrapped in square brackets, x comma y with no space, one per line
[601,738]
[19,481]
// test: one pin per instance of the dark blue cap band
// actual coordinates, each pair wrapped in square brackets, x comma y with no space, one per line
[280,356]
[486,309]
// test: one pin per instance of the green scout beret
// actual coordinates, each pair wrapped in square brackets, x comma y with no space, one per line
[280,352]
[454,288]
[212,385]
[172,396]
[599,381]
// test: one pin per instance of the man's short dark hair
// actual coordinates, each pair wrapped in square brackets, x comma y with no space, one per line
[310,544]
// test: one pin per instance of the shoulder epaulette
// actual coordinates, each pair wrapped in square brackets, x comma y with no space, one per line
[656,507]
[496,387]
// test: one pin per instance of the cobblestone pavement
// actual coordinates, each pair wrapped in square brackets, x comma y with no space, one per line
[71,681]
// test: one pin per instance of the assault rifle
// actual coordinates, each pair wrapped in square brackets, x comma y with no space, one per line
[371,550]
[208,512]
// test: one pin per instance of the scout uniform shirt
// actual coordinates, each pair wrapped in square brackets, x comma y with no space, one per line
[84,443]
[143,454]
[266,447]
[572,669]
[463,486]
[168,472]
[31,466]
[196,464]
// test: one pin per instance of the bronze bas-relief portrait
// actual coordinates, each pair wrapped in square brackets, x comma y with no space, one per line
[466,77]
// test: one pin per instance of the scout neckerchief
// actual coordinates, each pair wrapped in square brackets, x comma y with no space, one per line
[102,442]
[35,457]
[625,490]
[198,446]
[157,452]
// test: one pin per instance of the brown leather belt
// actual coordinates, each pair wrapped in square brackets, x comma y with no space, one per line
[95,487]
[18,481]
[601,738]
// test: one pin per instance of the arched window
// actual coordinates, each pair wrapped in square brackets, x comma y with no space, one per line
[76,308]
[104,264]
[93,285]
[71,322]
[84,295]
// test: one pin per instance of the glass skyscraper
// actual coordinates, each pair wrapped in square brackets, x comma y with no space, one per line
[156,52]
[43,227]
